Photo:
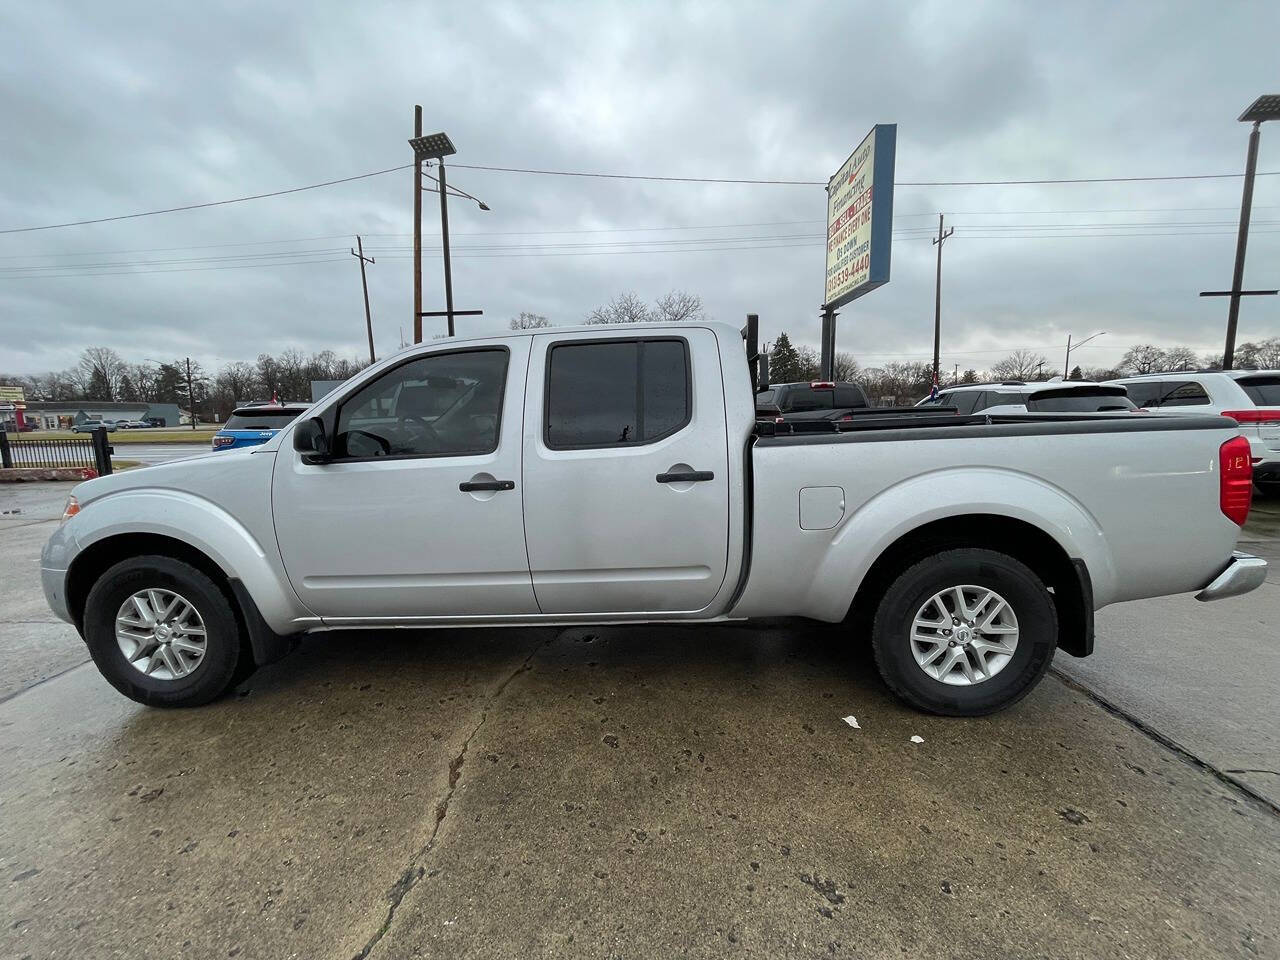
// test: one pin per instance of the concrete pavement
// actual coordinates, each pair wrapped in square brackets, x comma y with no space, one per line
[621,792]
[1205,675]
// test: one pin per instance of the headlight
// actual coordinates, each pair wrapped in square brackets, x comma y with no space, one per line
[71,509]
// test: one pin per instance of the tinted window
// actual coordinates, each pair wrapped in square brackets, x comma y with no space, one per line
[1264,391]
[1184,393]
[441,405]
[1144,393]
[1080,402]
[850,395]
[800,399]
[258,421]
[616,392]
[765,396]
[965,401]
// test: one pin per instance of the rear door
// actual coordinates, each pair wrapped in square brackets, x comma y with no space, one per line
[626,473]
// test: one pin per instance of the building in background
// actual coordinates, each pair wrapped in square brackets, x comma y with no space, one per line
[63,414]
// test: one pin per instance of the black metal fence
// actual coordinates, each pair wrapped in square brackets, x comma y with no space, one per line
[88,452]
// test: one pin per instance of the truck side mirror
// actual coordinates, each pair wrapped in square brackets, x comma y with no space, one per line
[312,441]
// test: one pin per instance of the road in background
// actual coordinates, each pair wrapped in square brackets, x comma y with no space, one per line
[151,453]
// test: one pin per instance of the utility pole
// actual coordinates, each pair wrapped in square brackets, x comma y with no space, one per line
[368,317]
[937,296]
[955,377]
[191,394]
[417,230]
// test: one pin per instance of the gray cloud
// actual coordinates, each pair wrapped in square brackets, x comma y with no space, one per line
[126,107]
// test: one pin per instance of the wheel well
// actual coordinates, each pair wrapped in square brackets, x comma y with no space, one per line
[95,560]
[1066,578]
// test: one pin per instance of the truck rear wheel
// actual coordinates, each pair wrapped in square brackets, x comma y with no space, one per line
[162,632]
[965,633]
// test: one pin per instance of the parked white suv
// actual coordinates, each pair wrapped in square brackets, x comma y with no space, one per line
[1250,397]
[1016,396]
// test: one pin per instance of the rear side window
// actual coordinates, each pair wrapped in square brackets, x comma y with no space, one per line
[965,401]
[616,392]
[1144,393]
[1182,393]
[800,399]
[850,395]
[1264,391]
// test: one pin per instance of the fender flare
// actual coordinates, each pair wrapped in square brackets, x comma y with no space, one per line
[951,493]
[211,530]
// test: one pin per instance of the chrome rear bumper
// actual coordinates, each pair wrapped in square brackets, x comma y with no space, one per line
[1244,573]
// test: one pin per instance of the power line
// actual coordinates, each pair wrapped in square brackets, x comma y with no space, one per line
[823,183]
[212,203]
[625,176]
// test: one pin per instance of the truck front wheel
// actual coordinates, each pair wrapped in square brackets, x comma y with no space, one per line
[162,632]
[965,633]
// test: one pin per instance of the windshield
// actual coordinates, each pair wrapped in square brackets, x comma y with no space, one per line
[1264,391]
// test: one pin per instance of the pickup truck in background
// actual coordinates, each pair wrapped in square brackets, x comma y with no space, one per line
[816,399]
[619,475]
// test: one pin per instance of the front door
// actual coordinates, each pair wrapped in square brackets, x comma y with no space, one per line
[626,473]
[418,515]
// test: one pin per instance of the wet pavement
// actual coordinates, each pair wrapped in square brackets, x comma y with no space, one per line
[600,792]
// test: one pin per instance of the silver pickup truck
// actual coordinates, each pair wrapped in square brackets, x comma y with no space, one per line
[619,475]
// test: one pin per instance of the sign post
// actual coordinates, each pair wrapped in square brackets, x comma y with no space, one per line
[859,229]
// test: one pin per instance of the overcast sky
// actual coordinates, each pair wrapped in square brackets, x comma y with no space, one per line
[119,108]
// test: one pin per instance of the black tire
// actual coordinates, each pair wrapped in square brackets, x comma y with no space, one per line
[1026,594]
[212,676]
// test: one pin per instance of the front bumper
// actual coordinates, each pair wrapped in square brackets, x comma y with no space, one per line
[55,559]
[1244,573]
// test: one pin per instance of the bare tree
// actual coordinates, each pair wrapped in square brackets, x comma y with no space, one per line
[1143,358]
[810,363]
[625,308]
[1019,365]
[101,372]
[846,367]
[1179,358]
[678,306]
[1269,353]
[1099,374]
[529,321]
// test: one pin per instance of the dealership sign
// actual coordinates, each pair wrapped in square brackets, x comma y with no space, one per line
[12,395]
[860,218]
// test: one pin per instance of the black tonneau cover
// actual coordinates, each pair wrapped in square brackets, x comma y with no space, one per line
[940,427]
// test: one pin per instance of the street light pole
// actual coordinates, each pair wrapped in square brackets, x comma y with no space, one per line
[417,229]
[444,234]
[1266,107]
[1066,364]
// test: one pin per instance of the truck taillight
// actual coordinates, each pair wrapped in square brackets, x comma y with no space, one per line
[1235,480]
[1256,415]
[821,385]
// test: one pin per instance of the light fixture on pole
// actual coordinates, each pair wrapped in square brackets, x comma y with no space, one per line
[1066,364]
[1266,107]
[437,146]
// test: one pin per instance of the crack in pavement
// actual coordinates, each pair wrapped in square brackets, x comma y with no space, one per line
[1223,776]
[43,680]
[415,871]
